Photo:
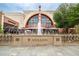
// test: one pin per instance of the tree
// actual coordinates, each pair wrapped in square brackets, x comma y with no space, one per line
[0,29]
[67,15]
[60,15]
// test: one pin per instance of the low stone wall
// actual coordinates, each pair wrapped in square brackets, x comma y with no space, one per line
[35,40]
[30,40]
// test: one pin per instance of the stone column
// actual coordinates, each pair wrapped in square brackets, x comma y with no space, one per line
[57,40]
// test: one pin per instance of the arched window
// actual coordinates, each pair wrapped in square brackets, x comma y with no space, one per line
[45,21]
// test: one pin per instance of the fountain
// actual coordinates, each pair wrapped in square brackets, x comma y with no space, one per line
[39,23]
[39,28]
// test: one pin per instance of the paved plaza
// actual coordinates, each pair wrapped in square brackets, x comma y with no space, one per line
[39,51]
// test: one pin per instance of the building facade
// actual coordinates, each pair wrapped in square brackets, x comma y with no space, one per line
[28,20]
[25,18]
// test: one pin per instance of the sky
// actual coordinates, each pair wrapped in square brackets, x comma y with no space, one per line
[6,7]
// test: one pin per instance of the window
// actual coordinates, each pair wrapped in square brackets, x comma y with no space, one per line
[33,21]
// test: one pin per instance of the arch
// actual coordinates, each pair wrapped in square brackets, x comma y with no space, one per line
[26,25]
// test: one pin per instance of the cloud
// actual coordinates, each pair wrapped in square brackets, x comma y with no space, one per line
[27,6]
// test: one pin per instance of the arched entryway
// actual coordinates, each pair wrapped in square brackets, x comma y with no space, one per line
[46,23]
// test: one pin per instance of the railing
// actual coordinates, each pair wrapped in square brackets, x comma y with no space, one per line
[70,39]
